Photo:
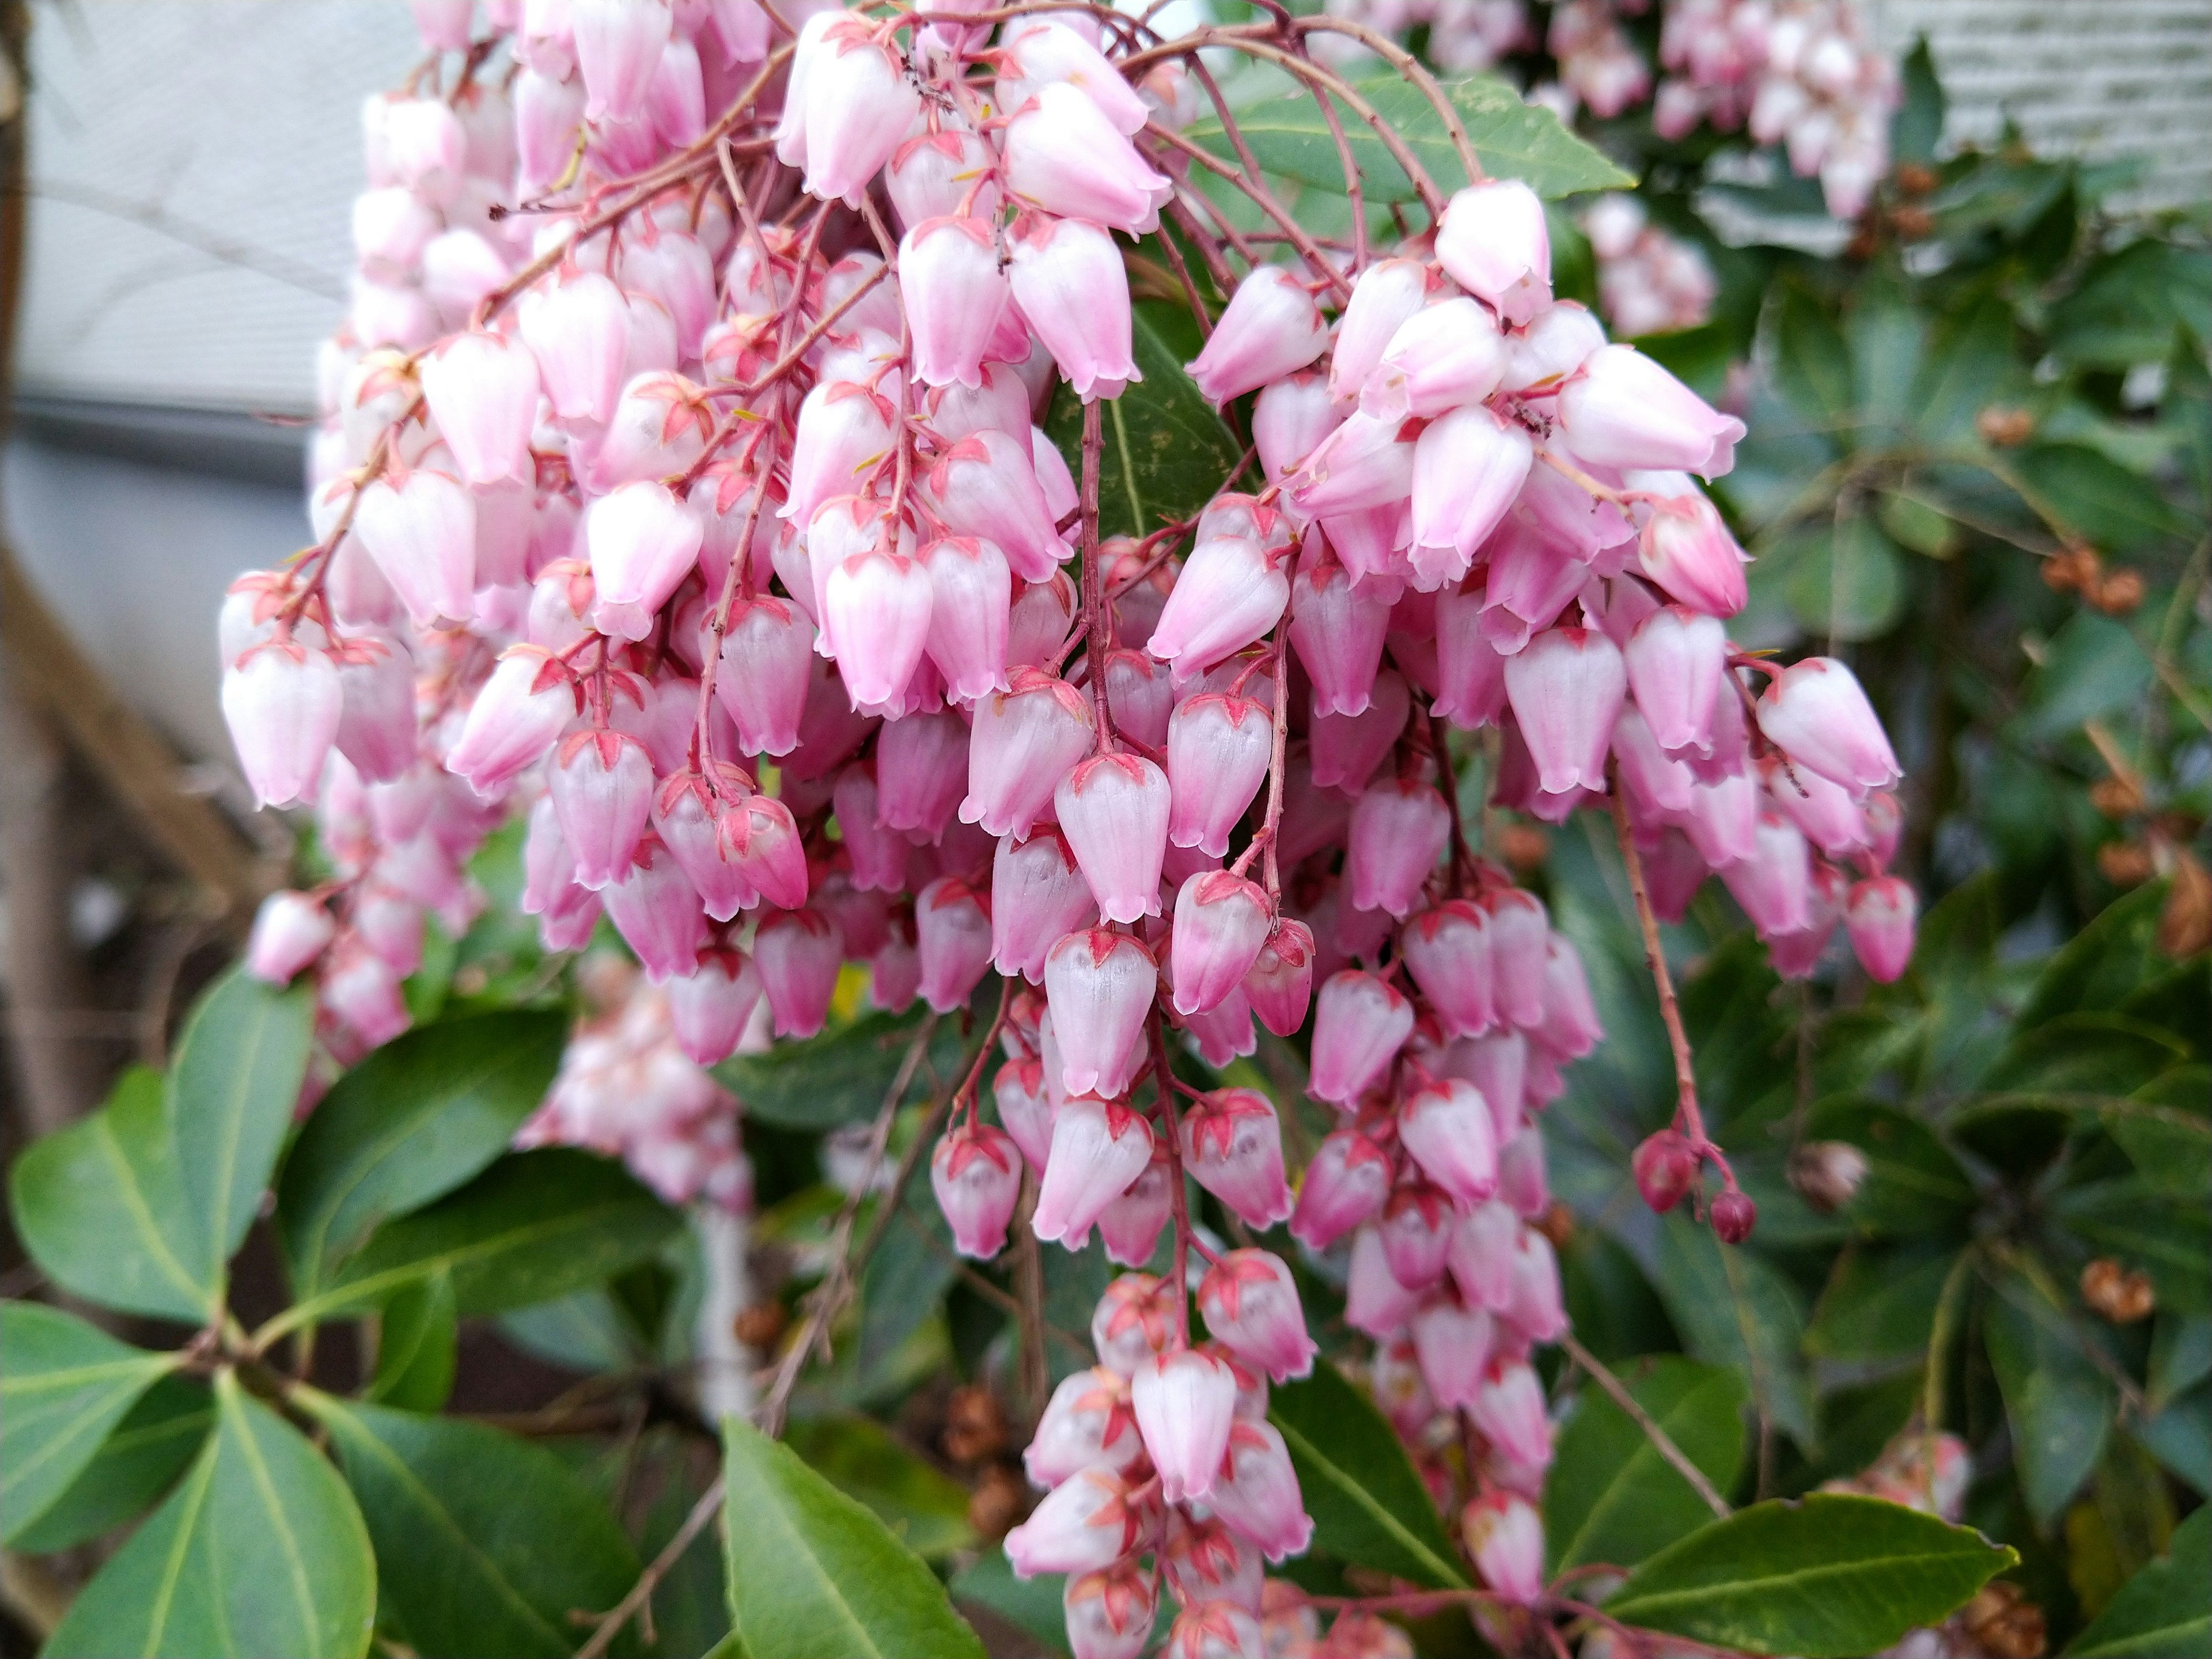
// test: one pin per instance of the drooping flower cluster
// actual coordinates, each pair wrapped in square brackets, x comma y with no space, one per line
[1649,280]
[693,505]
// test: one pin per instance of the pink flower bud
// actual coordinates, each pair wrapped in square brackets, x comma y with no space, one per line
[1361,1024]
[1345,1186]
[602,789]
[954,295]
[1482,1254]
[1068,281]
[952,931]
[1734,1215]
[1109,1614]
[761,838]
[1346,749]
[1218,750]
[1494,244]
[1281,982]
[283,702]
[1230,593]
[797,953]
[1099,985]
[1620,409]
[1232,1146]
[1398,829]
[1289,417]
[1447,1127]
[1086,1424]
[1468,468]
[687,816]
[1773,884]
[843,429]
[1086,1523]
[1098,1148]
[985,485]
[1447,950]
[1338,635]
[1880,917]
[1024,741]
[578,330]
[1221,921]
[1506,1536]
[656,911]
[1113,808]
[1271,328]
[969,592]
[1508,1408]
[420,529]
[483,391]
[1665,1167]
[1184,1400]
[290,930]
[876,619]
[1816,713]
[709,1008]
[1023,1108]
[1534,1307]
[860,105]
[1257,1492]
[1441,357]
[360,991]
[1687,548]
[1250,1303]
[976,1174]
[1130,1323]
[1063,156]
[1519,932]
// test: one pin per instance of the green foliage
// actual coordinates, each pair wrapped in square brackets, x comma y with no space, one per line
[2165,1608]
[64,1385]
[230,1099]
[840,1076]
[1610,1496]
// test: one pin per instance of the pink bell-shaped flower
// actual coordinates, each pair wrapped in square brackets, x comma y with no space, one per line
[1345,1186]
[290,930]
[1257,1492]
[1482,1254]
[971,592]
[761,838]
[1113,808]
[1821,808]
[1346,749]
[1364,463]
[1025,1109]
[1879,916]
[1506,1536]
[952,932]
[1086,1523]
[1508,1407]
[1024,741]
[1498,1065]
[1250,1303]
[1087,1424]
[643,541]
[516,716]
[1571,1028]
[1447,950]
[1338,632]
[481,389]
[1109,1614]
[283,702]
[954,295]
[1221,921]
[376,718]
[1063,156]
[1037,895]
[919,762]
[1452,1341]
[976,1174]
[1388,293]
[1565,687]
[1620,409]
[1185,1401]
[1416,1230]
[1519,932]
[1140,696]
[1374,1301]
[1130,1323]
[1218,749]
[842,429]
[879,855]
[985,485]
[1281,982]
[1534,1307]
[1361,1022]
[709,1008]
[1130,1226]
[1447,1127]
[1443,356]
[1232,1146]
[1773,884]
[1493,243]
[876,619]
[1213,1627]
[1230,593]
[931,174]
[578,330]
[760,676]
[860,105]
[1098,1148]
[687,815]
[1468,468]
[1055,48]
[1659,787]
[1068,281]
[1687,551]
[1099,985]
[420,527]
[656,909]
[1470,672]
[601,784]
[797,953]
[1271,328]
[1398,829]
[1722,822]
[1817,713]
[618,44]
[1289,418]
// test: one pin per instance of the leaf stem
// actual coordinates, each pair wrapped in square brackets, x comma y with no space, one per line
[1661,1442]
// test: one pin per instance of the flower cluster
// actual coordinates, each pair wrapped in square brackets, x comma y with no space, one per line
[680,489]
[1649,281]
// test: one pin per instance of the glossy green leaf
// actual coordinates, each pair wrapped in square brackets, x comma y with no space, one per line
[409,1124]
[232,1093]
[840,1076]
[1848,583]
[485,1541]
[260,1551]
[1880,1304]
[2059,1404]
[1917,128]
[1887,337]
[2164,1611]
[2099,498]
[1512,139]
[533,1226]
[812,1572]
[63,1384]
[1733,1308]
[417,1346]
[1610,1496]
[1164,452]
[1912,1185]
[2093,667]
[926,1510]
[1971,363]
[142,1455]
[905,1280]
[101,1206]
[1829,1577]
[1812,364]
[1369,1507]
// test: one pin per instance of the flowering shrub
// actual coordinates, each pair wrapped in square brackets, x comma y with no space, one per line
[895,508]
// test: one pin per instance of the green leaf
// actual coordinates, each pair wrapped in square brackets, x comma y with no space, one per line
[2059,1404]
[583,1331]
[2165,1610]
[484,1541]
[134,1465]
[1917,128]
[1288,135]
[1880,1304]
[63,1384]
[1829,1577]
[2167,1235]
[1971,363]
[231,1096]
[1610,1496]
[1848,582]
[1369,1507]
[2172,1151]
[260,1551]
[1812,364]
[926,1510]
[2104,963]
[1734,1308]
[2098,498]
[101,1207]
[840,1076]
[1165,450]
[1912,1185]
[417,1344]
[533,1226]
[408,1125]
[905,1280]
[2093,667]
[1034,1605]
[812,1572]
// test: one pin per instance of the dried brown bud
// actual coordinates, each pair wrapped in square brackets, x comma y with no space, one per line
[2115,1293]
[2185,924]
[2115,798]
[1827,1173]
[2118,594]
[2004,1623]
[2125,863]
[997,1503]
[2003,426]
[2072,569]
[760,1325]
[1912,223]
[1557,1224]
[1913,179]
[1524,847]
[975,1426]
